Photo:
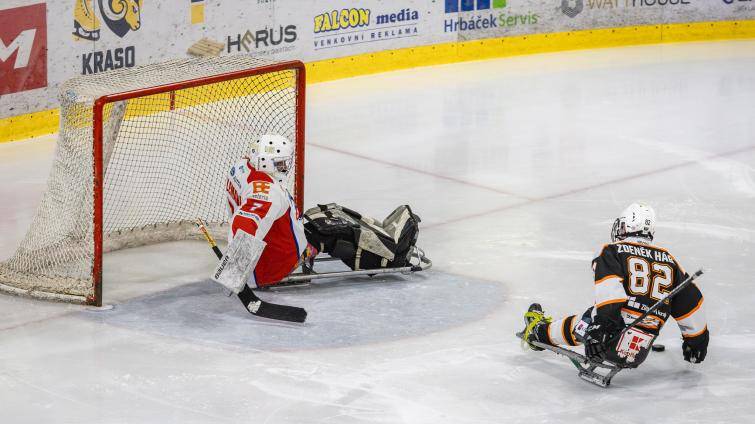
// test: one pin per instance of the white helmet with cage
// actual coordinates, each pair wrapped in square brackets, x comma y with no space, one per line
[273,154]
[637,220]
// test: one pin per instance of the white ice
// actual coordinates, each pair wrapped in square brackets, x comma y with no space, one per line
[517,167]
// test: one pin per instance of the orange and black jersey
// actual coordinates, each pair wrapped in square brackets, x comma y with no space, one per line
[630,276]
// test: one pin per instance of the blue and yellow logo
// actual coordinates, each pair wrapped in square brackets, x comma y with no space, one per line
[453,6]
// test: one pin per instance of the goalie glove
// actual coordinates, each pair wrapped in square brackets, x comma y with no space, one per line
[598,334]
[238,263]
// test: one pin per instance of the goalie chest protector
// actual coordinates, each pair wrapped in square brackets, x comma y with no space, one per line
[362,242]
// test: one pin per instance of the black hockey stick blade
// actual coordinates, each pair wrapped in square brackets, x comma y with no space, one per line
[269,310]
[260,308]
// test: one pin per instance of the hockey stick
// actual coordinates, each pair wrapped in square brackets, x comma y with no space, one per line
[655,306]
[254,304]
[660,302]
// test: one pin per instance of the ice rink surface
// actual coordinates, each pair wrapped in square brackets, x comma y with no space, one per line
[518,167]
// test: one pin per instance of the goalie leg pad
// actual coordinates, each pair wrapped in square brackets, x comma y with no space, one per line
[362,242]
[237,265]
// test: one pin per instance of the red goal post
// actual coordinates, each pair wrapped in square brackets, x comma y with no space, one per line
[163,137]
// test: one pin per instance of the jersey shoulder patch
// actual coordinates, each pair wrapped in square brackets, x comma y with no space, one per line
[600,251]
[238,172]
[606,249]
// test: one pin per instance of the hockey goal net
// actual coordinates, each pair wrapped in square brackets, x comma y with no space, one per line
[142,153]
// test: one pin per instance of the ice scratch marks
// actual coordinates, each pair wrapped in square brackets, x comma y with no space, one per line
[566,255]
[739,175]
[711,230]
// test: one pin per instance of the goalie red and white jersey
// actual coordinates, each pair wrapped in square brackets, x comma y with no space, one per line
[263,208]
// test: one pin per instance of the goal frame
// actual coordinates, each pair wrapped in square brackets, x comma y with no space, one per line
[97,150]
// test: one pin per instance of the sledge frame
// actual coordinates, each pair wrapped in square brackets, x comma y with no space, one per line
[586,367]
[418,261]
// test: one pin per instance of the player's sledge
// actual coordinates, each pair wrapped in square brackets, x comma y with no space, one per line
[587,368]
[626,345]
[367,246]
[417,261]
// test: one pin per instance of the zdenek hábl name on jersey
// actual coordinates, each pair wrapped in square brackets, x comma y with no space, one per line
[655,255]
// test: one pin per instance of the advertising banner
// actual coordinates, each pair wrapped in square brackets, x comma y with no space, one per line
[478,19]
[23,48]
[43,43]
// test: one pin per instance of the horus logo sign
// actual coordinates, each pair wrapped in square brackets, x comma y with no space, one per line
[121,16]
[266,38]
[572,11]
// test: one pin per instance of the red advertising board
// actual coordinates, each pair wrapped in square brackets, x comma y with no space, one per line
[23,48]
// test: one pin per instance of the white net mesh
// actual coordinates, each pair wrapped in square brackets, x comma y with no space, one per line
[165,159]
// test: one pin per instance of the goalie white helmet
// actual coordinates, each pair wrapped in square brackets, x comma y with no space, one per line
[273,154]
[637,220]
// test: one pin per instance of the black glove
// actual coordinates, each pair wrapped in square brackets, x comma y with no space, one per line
[695,348]
[601,331]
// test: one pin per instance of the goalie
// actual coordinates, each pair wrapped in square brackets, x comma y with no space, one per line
[268,240]
[631,275]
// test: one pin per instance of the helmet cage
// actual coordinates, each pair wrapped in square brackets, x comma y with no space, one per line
[619,231]
[282,165]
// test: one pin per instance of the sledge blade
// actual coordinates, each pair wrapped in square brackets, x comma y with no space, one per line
[585,366]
